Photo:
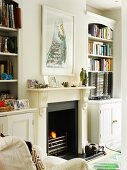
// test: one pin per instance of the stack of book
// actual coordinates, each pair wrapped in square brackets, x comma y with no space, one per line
[103,83]
[99,48]
[10,14]
[101,31]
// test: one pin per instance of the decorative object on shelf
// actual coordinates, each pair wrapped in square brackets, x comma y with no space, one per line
[32,83]
[4,95]
[65,84]
[6,109]
[12,45]
[83,77]
[52,81]
[2,103]
[5,45]
[21,104]
[6,76]
[57,51]
[6,105]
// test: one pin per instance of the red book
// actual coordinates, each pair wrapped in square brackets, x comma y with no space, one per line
[17,17]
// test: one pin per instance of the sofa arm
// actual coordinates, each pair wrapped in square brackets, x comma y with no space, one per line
[72,164]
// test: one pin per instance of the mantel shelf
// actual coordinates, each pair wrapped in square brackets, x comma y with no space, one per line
[61,88]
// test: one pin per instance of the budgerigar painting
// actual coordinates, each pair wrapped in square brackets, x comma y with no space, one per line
[56,56]
[57,42]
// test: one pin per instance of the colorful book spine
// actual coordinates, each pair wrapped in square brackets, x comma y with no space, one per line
[0,12]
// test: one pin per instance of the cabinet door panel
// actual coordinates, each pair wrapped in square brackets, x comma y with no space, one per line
[106,123]
[21,125]
[116,120]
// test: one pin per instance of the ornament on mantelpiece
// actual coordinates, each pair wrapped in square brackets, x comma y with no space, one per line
[83,77]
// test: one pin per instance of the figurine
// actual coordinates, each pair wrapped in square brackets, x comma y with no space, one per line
[83,77]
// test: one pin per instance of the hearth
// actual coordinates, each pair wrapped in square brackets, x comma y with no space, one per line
[62,128]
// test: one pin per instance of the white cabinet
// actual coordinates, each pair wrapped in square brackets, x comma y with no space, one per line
[18,123]
[21,125]
[104,120]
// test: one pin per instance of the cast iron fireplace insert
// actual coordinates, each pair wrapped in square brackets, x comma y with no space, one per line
[62,129]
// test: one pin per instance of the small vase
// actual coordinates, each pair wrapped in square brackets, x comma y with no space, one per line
[83,77]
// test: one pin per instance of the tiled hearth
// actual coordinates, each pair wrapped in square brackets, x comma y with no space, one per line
[39,98]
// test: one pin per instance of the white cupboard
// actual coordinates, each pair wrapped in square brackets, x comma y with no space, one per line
[104,120]
[20,123]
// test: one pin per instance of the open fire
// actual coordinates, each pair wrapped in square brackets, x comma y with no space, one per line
[52,134]
[57,145]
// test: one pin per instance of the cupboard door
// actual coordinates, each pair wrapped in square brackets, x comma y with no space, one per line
[105,123]
[116,121]
[21,125]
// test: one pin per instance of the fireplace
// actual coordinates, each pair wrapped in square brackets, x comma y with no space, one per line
[62,128]
[42,98]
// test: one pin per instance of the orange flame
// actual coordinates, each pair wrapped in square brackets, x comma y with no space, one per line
[53,134]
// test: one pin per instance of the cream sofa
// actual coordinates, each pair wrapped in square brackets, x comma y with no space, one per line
[15,155]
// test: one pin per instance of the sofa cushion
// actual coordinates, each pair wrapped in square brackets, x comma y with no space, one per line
[52,161]
[14,154]
[37,160]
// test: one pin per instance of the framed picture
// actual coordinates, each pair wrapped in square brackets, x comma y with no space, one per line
[57,42]
[31,83]
[21,104]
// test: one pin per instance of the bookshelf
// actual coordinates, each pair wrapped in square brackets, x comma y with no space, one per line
[104,111]
[10,22]
[100,56]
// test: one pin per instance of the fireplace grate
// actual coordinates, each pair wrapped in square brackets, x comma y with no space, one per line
[57,146]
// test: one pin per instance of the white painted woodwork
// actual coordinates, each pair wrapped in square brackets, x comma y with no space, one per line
[39,98]
[18,123]
[104,121]
[21,125]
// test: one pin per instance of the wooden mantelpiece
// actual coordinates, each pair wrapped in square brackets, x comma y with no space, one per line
[39,98]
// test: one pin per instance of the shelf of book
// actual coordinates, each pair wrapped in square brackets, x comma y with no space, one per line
[10,22]
[90,37]
[2,28]
[99,56]
[100,71]
[8,54]
[9,81]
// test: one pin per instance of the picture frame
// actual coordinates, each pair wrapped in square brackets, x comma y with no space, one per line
[21,104]
[31,83]
[57,42]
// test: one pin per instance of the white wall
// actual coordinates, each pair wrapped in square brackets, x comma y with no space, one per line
[94,10]
[124,84]
[30,34]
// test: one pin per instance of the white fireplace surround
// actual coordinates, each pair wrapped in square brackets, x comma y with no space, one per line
[39,98]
